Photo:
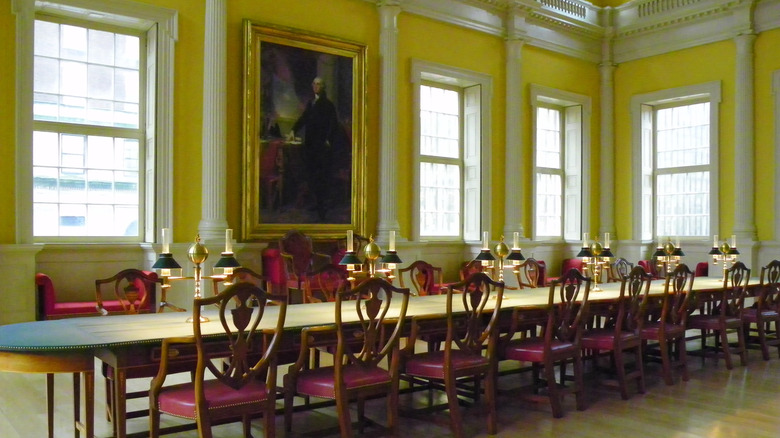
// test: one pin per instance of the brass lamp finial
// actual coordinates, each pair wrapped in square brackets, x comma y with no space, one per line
[372,250]
[198,253]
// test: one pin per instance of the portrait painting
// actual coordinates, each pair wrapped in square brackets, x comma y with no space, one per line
[304,133]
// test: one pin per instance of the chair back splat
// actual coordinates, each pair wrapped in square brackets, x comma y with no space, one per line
[424,277]
[244,384]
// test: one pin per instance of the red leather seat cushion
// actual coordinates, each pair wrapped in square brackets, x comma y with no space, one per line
[532,350]
[179,400]
[604,339]
[431,365]
[751,315]
[76,307]
[711,322]
[321,382]
[653,331]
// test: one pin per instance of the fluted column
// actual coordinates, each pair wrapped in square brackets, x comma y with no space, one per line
[213,205]
[744,213]
[515,167]
[388,143]
[607,174]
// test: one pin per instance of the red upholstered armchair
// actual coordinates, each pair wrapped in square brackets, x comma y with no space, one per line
[50,308]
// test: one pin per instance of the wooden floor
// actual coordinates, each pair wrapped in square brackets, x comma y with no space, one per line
[714,403]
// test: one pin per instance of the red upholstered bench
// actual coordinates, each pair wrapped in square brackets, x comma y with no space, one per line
[50,308]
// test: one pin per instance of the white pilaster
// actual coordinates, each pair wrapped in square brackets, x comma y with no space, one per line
[213,204]
[388,143]
[515,187]
[744,169]
[607,174]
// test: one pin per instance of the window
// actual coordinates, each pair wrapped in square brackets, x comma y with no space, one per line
[95,131]
[88,136]
[677,148]
[450,202]
[560,151]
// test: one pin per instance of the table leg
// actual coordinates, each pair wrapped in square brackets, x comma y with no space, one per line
[76,403]
[50,403]
[120,403]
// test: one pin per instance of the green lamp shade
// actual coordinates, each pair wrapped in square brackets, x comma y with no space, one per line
[585,252]
[227,261]
[350,258]
[606,253]
[391,257]
[166,261]
[715,251]
[515,255]
[485,255]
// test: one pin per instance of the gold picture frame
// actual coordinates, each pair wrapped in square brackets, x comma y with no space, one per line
[293,179]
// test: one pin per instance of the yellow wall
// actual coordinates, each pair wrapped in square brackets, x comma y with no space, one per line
[7,125]
[424,39]
[712,62]
[542,67]
[767,62]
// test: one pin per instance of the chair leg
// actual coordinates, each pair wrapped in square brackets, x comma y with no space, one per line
[666,365]
[620,369]
[579,388]
[289,394]
[456,421]
[50,403]
[761,329]
[683,358]
[269,419]
[640,367]
[724,341]
[552,387]
[742,347]
[490,397]
[246,421]
[154,421]
[345,422]
[392,409]
[204,426]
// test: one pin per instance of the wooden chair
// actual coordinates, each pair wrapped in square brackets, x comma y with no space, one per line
[470,330]
[326,283]
[726,316]
[758,319]
[132,291]
[566,266]
[618,269]
[424,277]
[620,334]
[566,311]
[665,321]
[529,274]
[242,389]
[300,260]
[357,372]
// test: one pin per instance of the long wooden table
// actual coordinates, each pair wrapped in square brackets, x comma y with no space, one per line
[123,341]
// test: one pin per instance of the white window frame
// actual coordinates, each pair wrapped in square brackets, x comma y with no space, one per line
[481,205]
[161,27]
[547,96]
[642,167]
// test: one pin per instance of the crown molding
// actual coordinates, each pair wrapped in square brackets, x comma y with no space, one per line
[577,28]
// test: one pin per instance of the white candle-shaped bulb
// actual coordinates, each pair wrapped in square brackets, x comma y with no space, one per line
[516,239]
[585,239]
[166,241]
[391,244]
[485,238]
[715,241]
[606,240]
[677,242]
[229,240]
[733,240]
[349,241]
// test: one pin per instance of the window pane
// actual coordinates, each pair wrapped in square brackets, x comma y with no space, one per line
[439,122]
[682,204]
[549,195]
[683,136]
[93,78]
[91,177]
[439,199]
[548,138]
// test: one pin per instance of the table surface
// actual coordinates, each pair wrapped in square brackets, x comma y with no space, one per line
[89,333]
